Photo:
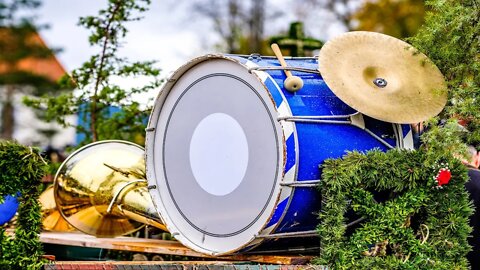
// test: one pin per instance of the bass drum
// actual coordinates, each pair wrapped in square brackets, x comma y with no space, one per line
[233,158]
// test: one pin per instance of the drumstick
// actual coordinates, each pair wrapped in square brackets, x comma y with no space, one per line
[291,83]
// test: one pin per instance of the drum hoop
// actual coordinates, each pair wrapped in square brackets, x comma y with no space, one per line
[286,192]
[168,185]
[149,150]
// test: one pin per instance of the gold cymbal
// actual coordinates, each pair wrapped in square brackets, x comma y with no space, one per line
[383,77]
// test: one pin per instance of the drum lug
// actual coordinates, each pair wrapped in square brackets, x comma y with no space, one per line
[150,129]
[255,57]
[357,120]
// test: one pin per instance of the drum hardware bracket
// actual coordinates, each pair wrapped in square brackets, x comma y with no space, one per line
[306,183]
[254,57]
[358,121]
[288,235]
[150,129]
[115,196]
[152,187]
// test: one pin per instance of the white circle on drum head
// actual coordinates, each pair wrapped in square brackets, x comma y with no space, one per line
[219,154]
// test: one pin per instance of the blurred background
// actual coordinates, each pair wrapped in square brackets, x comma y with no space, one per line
[170,33]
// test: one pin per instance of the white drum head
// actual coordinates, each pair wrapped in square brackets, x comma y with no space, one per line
[215,153]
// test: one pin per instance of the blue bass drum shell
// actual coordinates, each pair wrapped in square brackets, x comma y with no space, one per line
[8,209]
[288,136]
[312,142]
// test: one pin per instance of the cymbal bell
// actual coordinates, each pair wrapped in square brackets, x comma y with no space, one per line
[383,77]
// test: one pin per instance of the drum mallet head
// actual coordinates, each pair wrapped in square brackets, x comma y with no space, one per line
[291,83]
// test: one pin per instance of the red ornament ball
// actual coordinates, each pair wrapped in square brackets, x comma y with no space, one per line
[443,176]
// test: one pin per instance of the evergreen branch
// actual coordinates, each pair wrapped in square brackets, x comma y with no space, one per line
[93,115]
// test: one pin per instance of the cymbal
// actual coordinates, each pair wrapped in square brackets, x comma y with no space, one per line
[383,77]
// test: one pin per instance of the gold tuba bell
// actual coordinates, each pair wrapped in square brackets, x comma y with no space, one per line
[101,189]
[52,220]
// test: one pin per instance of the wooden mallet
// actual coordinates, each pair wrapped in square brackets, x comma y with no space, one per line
[291,83]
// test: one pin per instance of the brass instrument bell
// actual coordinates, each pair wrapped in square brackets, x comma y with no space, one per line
[101,189]
[52,220]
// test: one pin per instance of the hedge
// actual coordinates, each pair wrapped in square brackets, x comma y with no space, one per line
[21,169]
[394,210]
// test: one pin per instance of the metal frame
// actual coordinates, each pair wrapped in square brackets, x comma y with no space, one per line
[288,235]
[326,119]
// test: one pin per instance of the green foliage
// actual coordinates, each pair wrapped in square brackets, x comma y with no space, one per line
[95,80]
[451,38]
[41,84]
[296,41]
[398,18]
[407,222]
[22,168]
[9,10]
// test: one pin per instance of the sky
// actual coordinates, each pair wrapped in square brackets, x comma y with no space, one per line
[162,35]
[170,31]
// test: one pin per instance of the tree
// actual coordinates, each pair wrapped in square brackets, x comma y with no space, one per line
[107,110]
[296,41]
[342,10]
[398,18]
[451,38]
[19,44]
[240,24]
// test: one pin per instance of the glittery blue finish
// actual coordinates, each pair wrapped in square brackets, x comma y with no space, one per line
[316,141]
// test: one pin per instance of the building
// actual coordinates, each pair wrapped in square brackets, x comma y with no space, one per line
[25,63]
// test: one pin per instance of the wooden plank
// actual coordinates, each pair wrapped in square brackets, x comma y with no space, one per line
[119,243]
[158,247]
[183,265]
